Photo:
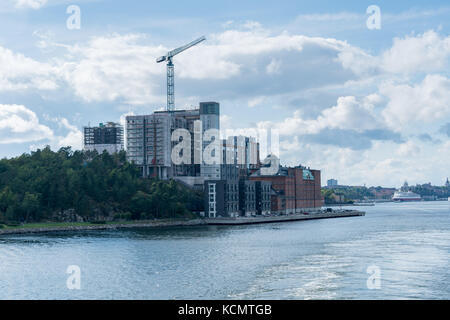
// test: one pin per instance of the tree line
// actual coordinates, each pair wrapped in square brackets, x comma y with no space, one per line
[44,185]
[354,193]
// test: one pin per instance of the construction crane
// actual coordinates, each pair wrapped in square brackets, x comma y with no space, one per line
[171,72]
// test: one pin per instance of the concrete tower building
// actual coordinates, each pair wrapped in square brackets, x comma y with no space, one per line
[210,119]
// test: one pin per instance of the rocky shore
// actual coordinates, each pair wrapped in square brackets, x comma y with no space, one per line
[150,224]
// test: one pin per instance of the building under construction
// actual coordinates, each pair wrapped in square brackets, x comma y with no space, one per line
[149,141]
[106,137]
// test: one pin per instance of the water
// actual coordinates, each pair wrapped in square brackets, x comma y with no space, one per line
[322,259]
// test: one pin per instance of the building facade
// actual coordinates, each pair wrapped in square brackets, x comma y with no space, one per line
[263,197]
[221,199]
[106,137]
[241,151]
[210,122]
[247,197]
[295,189]
[150,145]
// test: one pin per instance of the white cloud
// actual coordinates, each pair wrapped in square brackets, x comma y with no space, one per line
[123,67]
[427,52]
[348,114]
[408,149]
[412,106]
[226,123]
[73,138]
[358,61]
[32,4]
[382,164]
[109,68]
[327,17]
[18,72]
[252,25]
[19,125]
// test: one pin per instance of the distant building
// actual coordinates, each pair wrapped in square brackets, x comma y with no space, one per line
[230,174]
[106,137]
[382,193]
[241,151]
[295,189]
[447,183]
[149,143]
[210,119]
[263,197]
[332,183]
[247,197]
[221,199]
[230,198]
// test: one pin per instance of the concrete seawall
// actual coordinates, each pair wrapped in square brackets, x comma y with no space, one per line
[295,217]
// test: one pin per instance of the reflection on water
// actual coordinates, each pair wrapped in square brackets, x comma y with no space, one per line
[322,259]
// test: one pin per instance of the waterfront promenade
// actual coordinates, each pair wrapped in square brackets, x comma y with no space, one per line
[285,218]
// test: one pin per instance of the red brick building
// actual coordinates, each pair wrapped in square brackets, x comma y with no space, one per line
[294,189]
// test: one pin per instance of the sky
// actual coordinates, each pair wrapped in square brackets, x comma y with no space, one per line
[365,100]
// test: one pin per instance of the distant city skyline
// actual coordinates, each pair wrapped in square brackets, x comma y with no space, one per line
[366,106]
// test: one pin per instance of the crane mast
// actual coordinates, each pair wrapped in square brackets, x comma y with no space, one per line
[170,85]
[171,71]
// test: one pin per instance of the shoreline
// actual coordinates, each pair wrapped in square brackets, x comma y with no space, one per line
[150,224]
[186,223]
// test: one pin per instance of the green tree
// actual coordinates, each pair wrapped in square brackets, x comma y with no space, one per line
[30,206]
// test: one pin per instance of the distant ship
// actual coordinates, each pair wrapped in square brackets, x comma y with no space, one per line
[406,196]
